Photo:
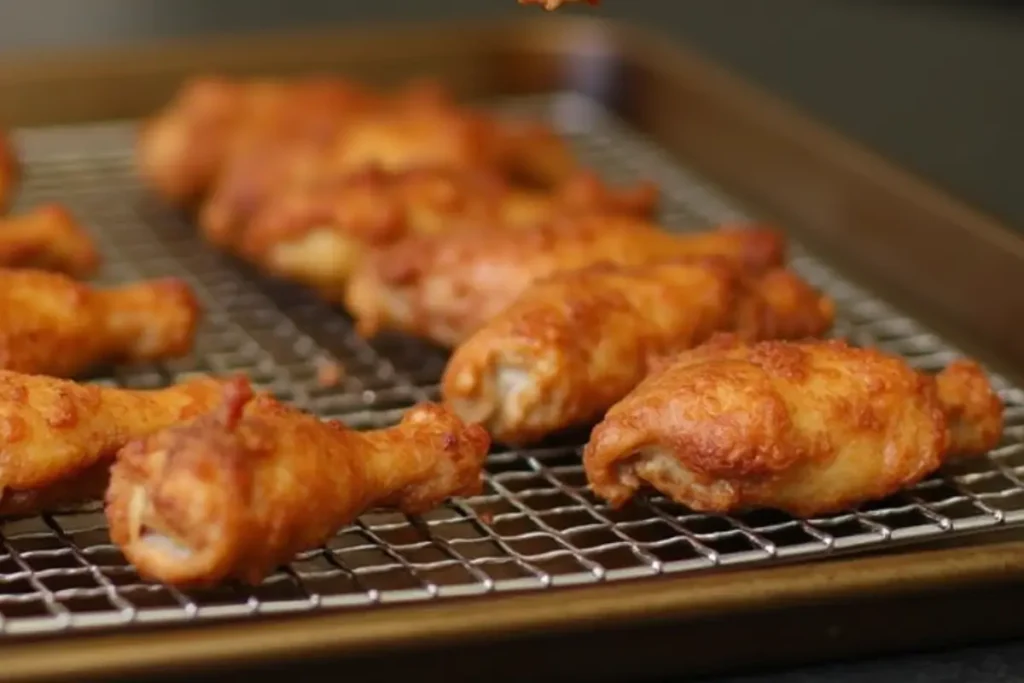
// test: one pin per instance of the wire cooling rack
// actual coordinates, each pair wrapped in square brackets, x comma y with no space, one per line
[536,526]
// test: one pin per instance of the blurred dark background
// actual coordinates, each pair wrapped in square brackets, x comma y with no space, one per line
[936,86]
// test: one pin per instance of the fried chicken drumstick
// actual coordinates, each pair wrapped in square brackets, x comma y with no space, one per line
[414,138]
[445,287]
[10,169]
[236,493]
[181,150]
[316,237]
[59,437]
[552,5]
[250,138]
[47,238]
[808,428]
[53,325]
[574,344]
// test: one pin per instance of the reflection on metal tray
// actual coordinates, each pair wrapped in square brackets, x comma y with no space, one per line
[536,526]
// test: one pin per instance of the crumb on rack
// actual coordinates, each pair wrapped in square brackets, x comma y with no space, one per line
[329,373]
[552,5]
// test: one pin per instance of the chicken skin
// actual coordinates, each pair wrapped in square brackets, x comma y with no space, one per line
[58,438]
[53,325]
[238,492]
[574,344]
[808,428]
[551,5]
[181,150]
[393,142]
[10,169]
[47,238]
[316,237]
[445,287]
[255,136]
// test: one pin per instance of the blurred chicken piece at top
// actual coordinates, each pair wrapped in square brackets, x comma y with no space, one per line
[48,238]
[10,170]
[555,4]
[426,132]
[318,235]
[444,287]
[259,136]
[182,148]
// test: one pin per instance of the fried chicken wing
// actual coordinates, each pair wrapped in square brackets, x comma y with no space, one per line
[533,154]
[47,238]
[236,493]
[58,438]
[53,325]
[552,5]
[317,236]
[10,170]
[181,150]
[445,287]
[393,142]
[809,428]
[574,344]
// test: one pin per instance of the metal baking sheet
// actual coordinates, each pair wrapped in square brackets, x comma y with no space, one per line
[536,527]
[535,570]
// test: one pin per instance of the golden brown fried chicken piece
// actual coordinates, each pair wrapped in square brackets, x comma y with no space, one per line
[551,5]
[57,437]
[426,136]
[47,238]
[181,150]
[808,428]
[445,287]
[574,344]
[53,325]
[10,170]
[237,493]
[251,178]
[531,153]
[317,236]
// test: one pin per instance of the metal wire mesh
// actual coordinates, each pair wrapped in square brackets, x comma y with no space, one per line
[536,525]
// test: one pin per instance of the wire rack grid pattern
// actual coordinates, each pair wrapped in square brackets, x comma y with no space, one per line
[536,526]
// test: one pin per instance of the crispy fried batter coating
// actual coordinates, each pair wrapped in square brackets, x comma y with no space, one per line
[53,325]
[236,493]
[574,344]
[317,235]
[57,437]
[532,153]
[413,138]
[48,238]
[551,5]
[182,148]
[809,428]
[253,138]
[445,287]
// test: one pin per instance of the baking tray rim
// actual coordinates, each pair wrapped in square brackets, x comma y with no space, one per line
[348,632]
[344,633]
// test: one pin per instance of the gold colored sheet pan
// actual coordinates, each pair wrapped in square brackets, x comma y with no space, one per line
[956,268]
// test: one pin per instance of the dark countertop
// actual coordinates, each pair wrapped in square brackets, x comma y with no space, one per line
[938,87]
[979,665]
